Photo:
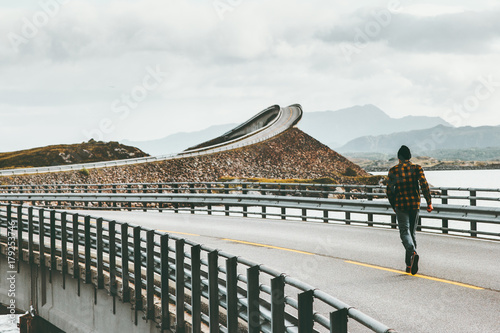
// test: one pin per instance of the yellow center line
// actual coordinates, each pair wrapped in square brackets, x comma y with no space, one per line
[416,275]
[180,233]
[268,246]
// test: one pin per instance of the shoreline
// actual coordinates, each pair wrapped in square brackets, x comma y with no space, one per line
[443,168]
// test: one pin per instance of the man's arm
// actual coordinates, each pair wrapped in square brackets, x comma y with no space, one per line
[424,185]
[390,188]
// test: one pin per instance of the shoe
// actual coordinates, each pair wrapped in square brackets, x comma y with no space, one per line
[408,269]
[414,263]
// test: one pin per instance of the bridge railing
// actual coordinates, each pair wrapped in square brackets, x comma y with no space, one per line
[445,195]
[459,219]
[155,271]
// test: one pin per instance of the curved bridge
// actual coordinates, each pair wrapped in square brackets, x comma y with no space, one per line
[265,125]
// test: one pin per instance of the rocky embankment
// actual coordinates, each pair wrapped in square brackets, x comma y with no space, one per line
[291,155]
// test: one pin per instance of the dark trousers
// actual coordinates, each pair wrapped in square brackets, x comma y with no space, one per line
[407,223]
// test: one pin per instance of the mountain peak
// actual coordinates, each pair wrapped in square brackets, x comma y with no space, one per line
[336,128]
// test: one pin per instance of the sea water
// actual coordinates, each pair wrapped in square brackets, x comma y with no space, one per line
[473,179]
[461,178]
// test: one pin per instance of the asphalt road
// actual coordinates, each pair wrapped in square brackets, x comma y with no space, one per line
[457,288]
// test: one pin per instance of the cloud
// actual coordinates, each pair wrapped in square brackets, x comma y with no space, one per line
[459,32]
[262,52]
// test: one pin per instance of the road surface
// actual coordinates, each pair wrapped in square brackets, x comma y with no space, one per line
[457,288]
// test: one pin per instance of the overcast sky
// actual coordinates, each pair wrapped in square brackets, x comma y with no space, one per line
[139,70]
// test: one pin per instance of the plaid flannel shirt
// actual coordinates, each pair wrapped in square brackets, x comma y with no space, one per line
[406,177]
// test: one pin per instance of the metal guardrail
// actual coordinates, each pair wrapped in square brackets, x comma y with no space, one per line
[209,150]
[297,201]
[446,195]
[142,261]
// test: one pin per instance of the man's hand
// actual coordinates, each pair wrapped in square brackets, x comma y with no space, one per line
[430,208]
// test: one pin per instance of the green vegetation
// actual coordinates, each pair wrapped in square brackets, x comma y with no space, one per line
[350,172]
[85,172]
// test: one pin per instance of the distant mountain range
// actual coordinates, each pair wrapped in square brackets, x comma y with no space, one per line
[366,132]
[336,128]
[443,142]
[178,142]
[333,128]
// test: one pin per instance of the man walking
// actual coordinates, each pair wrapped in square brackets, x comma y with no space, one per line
[404,195]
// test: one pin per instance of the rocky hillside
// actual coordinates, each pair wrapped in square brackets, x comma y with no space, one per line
[291,155]
[91,151]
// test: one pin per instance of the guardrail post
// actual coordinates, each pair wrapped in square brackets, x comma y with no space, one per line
[306,322]
[213,291]
[176,191]
[325,191]
[278,304]
[33,203]
[191,191]
[137,272]
[53,262]
[394,222]
[129,191]
[41,236]
[88,247]
[64,247]
[304,214]
[253,290]
[144,204]
[209,191]
[444,225]
[325,216]
[232,294]
[114,192]
[347,192]
[99,190]
[19,237]
[244,189]
[165,314]
[196,287]
[76,253]
[368,192]
[347,217]
[473,224]
[9,216]
[264,212]
[100,251]
[30,235]
[160,204]
[283,213]
[86,190]
[112,259]
[179,285]
[72,190]
[150,278]
[125,260]
[338,321]
[370,219]
[473,199]
[444,200]
[41,248]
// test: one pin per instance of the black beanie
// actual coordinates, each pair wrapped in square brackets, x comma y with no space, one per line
[404,153]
